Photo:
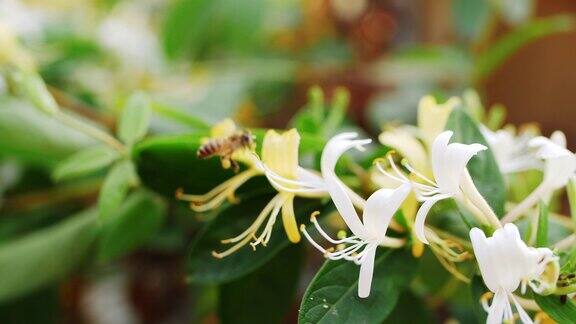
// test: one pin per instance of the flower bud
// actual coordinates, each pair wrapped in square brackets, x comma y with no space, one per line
[31,86]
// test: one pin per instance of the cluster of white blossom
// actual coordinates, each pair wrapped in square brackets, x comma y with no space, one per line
[432,169]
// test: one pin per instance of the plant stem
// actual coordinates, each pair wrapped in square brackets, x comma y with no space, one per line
[528,202]
[90,130]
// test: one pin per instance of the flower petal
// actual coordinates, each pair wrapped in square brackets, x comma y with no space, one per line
[408,146]
[337,190]
[280,152]
[484,259]
[499,304]
[381,207]
[432,116]
[289,218]
[524,317]
[421,216]
[366,271]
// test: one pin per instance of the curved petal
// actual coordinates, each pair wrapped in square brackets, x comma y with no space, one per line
[337,190]
[421,216]
[484,258]
[499,304]
[524,317]
[439,148]
[381,207]
[455,161]
[280,152]
[366,271]
[310,177]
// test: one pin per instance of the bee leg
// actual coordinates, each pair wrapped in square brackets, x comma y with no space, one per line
[235,166]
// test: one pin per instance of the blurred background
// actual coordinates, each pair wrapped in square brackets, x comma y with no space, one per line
[253,60]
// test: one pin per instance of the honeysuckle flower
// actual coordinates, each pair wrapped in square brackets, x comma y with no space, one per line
[559,168]
[507,263]
[279,164]
[368,232]
[432,116]
[451,180]
[511,152]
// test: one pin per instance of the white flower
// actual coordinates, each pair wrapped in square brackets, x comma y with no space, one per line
[559,163]
[559,168]
[505,263]
[511,152]
[451,178]
[368,233]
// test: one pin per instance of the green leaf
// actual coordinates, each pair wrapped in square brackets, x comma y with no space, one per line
[410,309]
[478,289]
[496,55]
[34,138]
[177,115]
[542,232]
[204,268]
[332,296]
[563,313]
[40,307]
[483,167]
[85,162]
[266,295]
[115,188]
[135,118]
[135,222]
[43,257]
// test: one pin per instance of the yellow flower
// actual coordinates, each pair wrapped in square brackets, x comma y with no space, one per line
[279,164]
[432,117]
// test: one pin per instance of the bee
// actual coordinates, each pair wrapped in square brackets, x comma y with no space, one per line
[225,147]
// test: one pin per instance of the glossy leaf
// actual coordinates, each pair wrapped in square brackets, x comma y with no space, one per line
[115,188]
[332,296]
[231,221]
[43,257]
[483,167]
[135,118]
[133,224]
[265,295]
[85,162]
[34,138]
[556,309]
[410,309]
